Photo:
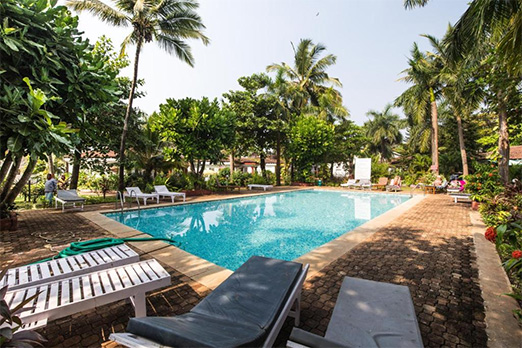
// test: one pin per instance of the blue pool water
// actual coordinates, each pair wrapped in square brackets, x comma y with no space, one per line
[281,225]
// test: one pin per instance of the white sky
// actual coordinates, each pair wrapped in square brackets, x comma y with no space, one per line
[371,39]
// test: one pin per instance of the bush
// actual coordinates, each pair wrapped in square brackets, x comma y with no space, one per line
[485,183]
[379,170]
[503,216]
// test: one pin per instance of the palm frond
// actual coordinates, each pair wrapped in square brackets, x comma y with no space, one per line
[105,12]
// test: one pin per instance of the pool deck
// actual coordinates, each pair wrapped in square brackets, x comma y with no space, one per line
[428,246]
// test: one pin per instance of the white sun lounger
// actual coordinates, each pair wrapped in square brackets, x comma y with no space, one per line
[72,295]
[363,183]
[163,191]
[349,183]
[465,197]
[264,187]
[68,197]
[138,194]
[53,270]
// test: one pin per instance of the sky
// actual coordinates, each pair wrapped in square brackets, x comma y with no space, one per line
[372,40]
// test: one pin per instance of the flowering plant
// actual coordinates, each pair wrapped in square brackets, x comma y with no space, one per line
[484,184]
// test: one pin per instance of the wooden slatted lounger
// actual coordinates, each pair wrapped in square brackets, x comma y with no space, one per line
[56,269]
[72,295]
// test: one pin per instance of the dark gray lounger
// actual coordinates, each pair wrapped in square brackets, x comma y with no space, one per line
[247,309]
[367,314]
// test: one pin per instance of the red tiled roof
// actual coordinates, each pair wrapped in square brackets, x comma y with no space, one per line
[515,152]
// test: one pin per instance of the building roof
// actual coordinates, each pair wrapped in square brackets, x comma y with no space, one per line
[515,152]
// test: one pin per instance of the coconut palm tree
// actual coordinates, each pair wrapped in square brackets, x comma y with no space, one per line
[383,130]
[308,77]
[168,22]
[420,100]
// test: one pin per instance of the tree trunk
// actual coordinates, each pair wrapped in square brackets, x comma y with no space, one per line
[434,133]
[231,162]
[503,144]
[462,146]
[76,169]
[21,183]
[262,164]
[121,185]
[278,159]
[5,167]
[51,164]
[332,170]
[10,178]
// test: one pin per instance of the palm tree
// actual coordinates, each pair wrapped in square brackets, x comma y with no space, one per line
[308,77]
[383,131]
[168,22]
[490,21]
[420,100]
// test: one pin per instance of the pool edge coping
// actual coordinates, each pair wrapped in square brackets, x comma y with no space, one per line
[211,275]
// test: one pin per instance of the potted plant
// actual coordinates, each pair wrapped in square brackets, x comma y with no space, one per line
[8,217]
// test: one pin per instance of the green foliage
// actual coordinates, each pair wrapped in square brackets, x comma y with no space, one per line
[383,132]
[379,169]
[310,140]
[198,130]
[485,183]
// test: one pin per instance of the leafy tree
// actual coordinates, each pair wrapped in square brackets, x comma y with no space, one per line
[383,132]
[311,139]
[198,130]
[169,22]
[39,46]
[348,142]
[256,116]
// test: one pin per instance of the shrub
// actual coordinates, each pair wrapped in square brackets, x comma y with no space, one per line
[484,184]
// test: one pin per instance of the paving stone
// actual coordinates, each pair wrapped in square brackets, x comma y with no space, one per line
[429,249]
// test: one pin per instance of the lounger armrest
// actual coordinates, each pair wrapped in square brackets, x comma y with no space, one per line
[307,339]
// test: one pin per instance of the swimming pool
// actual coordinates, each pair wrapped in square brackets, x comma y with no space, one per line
[280,225]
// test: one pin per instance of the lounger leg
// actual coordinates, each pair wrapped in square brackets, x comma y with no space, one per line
[172,198]
[144,201]
[138,301]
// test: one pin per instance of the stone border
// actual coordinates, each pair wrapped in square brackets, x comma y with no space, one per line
[210,274]
[501,326]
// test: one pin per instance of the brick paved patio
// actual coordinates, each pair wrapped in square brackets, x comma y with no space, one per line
[429,249]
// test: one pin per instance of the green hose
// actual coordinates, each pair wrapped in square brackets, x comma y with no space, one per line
[77,248]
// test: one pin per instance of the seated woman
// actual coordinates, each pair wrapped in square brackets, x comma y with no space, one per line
[438,181]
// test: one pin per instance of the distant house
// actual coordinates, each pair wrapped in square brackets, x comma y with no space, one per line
[515,155]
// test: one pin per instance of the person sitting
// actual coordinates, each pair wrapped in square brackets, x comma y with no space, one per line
[63,183]
[438,181]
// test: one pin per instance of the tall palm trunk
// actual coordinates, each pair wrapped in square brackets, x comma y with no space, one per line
[231,162]
[121,185]
[434,133]
[503,144]
[462,146]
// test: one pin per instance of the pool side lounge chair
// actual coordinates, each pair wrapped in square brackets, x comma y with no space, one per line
[395,185]
[163,191]
[381,184]
[465,197]
[53,270]
[367,314]
[264,187]
[68,197]
[247,309]
[443,186]
[83,292]
[363,183]
[136,192]
[349,183]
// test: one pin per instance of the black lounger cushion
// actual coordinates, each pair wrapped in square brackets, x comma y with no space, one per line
[195,330]
[239,312]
